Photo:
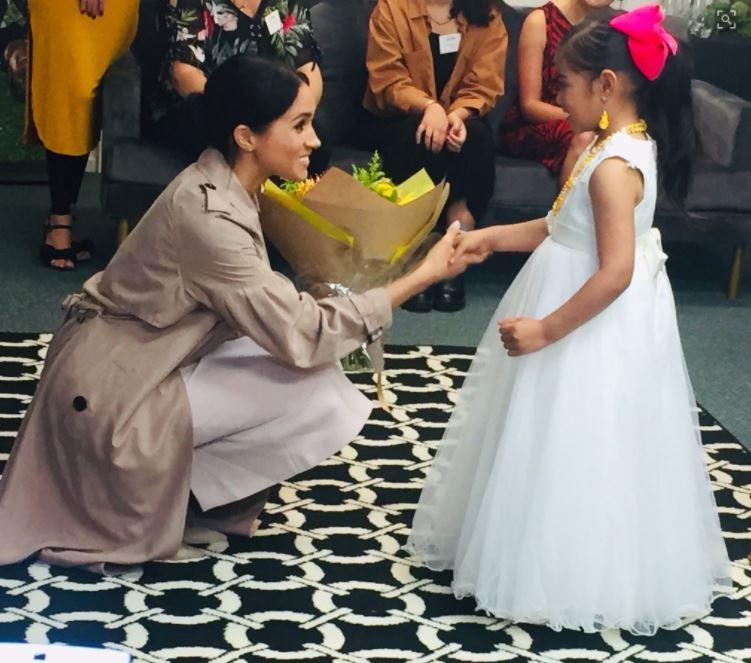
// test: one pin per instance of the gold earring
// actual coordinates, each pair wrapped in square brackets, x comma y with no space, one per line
[604,122]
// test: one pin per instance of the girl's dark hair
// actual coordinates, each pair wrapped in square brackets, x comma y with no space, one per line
[665,103]
[246,90]
[477,12]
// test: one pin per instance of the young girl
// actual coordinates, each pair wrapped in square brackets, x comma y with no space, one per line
[570,488]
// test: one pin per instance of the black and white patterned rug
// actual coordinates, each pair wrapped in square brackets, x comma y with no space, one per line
[325,578]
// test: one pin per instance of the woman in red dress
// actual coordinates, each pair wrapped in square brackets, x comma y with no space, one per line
[536,127]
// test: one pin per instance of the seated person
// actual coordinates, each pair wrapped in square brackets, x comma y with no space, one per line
[202,34]
[536,127]
[435,69]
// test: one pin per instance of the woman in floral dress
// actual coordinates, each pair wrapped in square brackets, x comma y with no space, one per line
[202,34]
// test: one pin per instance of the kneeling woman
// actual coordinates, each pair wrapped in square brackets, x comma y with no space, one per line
[187,365]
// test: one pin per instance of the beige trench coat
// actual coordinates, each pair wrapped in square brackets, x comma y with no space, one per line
[100,470]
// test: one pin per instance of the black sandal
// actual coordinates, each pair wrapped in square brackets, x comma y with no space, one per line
[48,253]
[82,249]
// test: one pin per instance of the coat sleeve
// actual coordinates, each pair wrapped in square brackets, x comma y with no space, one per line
[389,79]
[221,270]
[483,83]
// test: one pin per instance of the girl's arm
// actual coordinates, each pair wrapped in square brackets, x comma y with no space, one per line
[532,42]
[614,189]
[525,236]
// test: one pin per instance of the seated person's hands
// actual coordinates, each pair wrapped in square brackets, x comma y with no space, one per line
[522,335]
[433,128]
[457,132]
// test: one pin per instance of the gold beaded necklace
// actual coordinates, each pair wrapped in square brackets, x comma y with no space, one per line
[635,128]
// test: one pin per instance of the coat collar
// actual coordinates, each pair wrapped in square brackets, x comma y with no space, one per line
[223,190]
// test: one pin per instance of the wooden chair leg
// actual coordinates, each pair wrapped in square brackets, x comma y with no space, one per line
[736,271]
[123,228]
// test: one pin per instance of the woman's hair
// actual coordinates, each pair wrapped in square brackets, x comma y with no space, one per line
[477,12]
[665,103]
[246,90]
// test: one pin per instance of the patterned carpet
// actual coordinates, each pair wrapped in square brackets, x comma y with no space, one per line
[325,578]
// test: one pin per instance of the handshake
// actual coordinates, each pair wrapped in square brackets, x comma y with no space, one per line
[459,249]
[455,251]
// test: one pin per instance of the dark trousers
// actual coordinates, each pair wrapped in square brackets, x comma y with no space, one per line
[470,172]
[65,175]
[182,130]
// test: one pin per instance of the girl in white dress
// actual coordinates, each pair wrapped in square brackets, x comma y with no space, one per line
[570,488]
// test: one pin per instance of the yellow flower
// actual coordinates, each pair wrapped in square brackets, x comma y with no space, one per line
[385,188]
[300,188]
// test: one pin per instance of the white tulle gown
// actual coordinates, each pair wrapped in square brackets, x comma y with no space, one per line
[570,488]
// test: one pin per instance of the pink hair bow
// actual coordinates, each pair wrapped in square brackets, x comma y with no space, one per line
[648,42]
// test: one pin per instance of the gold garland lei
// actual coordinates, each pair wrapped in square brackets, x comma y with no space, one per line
[635,128]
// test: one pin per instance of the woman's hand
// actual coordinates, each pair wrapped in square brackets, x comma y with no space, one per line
[433,128]
[91,8]
[523,335]
[457,132]
[478,243]
[436,266]
[442,262]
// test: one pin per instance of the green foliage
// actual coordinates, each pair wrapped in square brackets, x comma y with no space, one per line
[290,186]
[372,174]
[375,178]
[738,14]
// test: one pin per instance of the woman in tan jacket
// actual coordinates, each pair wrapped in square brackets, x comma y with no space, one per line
[435,69]
[188,366]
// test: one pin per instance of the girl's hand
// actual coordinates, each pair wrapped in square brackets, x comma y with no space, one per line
[522,335]
[457,132]
[433,127]
[440,263]
[477,243]
[92,8]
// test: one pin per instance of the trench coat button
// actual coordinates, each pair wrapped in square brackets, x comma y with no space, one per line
[79,403]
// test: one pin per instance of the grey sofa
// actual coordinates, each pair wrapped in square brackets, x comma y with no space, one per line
[135,171]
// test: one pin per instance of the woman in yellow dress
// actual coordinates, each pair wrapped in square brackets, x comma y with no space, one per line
[73,42]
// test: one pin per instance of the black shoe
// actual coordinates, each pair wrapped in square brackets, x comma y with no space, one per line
[449,295]
[420,303]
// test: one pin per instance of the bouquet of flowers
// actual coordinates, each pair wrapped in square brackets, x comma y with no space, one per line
[355,230]
[351,232]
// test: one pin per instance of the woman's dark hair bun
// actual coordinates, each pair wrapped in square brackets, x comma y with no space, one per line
[245,90]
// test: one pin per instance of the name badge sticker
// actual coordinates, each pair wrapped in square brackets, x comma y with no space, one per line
[449,43]
[273,22]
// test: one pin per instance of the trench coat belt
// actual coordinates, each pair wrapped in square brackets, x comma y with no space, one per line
[79,306]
